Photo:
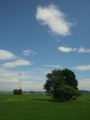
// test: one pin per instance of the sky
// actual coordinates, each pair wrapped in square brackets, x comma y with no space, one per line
[38,36]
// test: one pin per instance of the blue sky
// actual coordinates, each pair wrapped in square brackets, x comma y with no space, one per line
[37,37]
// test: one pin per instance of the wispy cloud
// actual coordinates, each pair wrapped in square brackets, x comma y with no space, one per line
[28,52]
[68,49]
[32,86]
[84,84]
[6,55]
[54,66]
[82,67]
[82,49]
[19,62]
[47,71]
[40,69]
[9,80]
[55,19]
[12,84]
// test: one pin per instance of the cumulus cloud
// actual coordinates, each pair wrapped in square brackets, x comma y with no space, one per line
[6,55]
[28,52]
[68,49]
[55,66]
[84,84]
[82,67]
[19,62]
[55,19]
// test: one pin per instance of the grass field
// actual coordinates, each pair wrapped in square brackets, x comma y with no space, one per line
[40,107]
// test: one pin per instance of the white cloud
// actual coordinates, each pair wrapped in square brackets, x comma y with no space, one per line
[84,84]
[19,62]
[30,85]
[25,86]
[9,80]
[40,69]
[82,67]
[68,49]
[2,69]
[9,77]
[25,76]
[6,55]
[32,77]
[28,52]
[55,66]
[55,19]
[47,71]
[82,49]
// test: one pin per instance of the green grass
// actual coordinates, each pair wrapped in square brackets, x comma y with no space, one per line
[40,107]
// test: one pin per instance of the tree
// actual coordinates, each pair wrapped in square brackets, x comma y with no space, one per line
[64,92]
[54,79]
[61,84]
[17,92]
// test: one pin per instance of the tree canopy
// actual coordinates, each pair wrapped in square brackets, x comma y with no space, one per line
[17,92]
[61,84]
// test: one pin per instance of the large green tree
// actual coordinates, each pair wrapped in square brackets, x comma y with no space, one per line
[61,84]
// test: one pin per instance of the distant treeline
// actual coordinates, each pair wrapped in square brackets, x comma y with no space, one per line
[84,91]
[39,92]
